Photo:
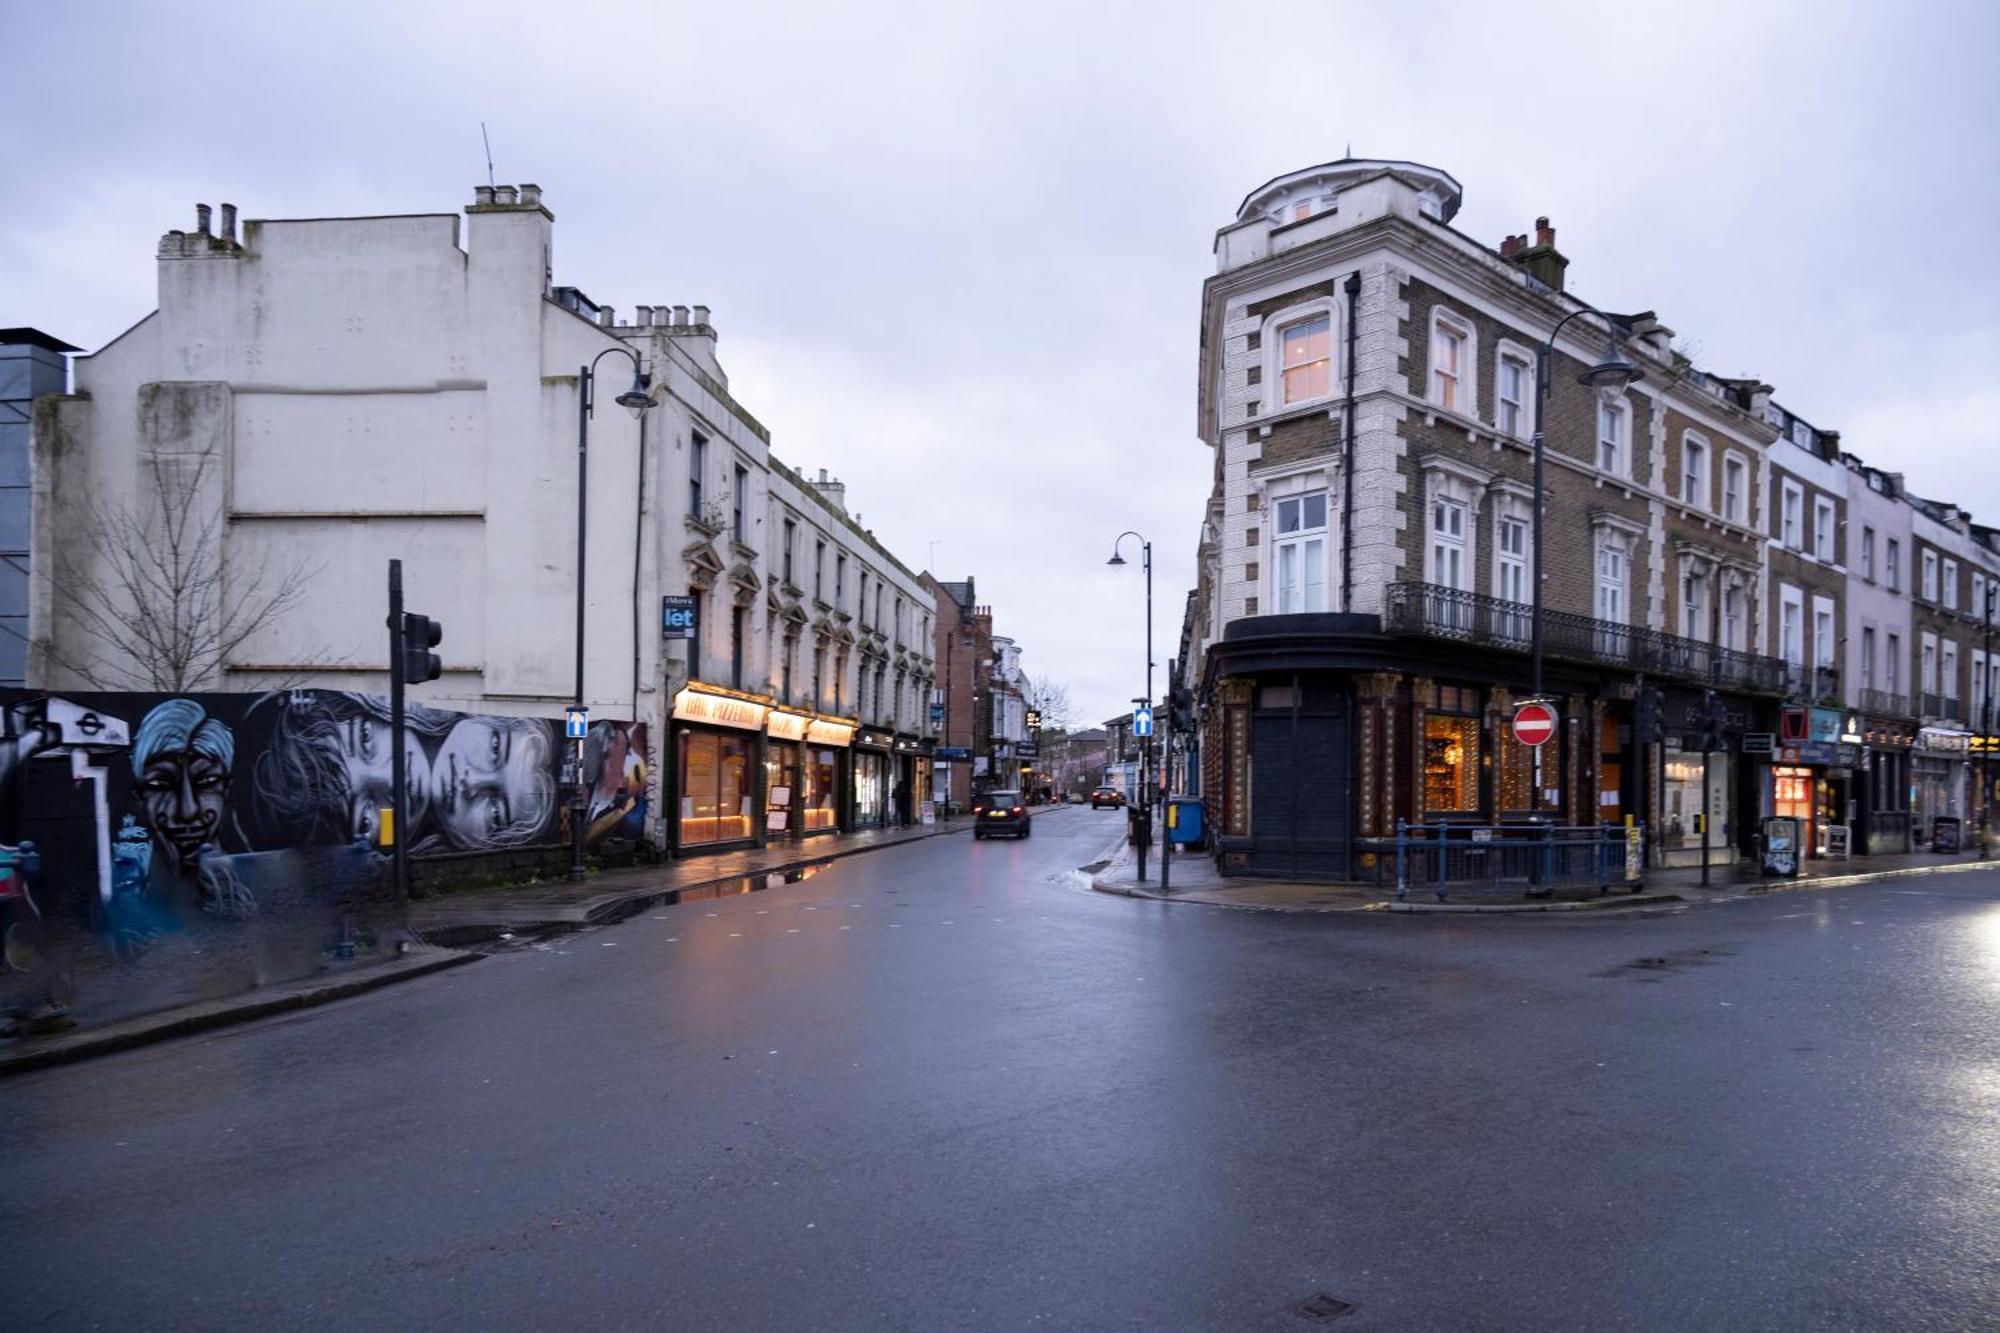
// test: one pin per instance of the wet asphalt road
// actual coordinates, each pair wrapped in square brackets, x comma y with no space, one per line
[939,1087]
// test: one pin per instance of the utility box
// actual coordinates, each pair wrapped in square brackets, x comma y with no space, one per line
[1780,843]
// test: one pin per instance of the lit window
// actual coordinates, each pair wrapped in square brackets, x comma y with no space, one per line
[1306,351]
[1448,340]
[1451,763]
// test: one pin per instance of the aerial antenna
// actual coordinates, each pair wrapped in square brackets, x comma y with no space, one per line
[489,153]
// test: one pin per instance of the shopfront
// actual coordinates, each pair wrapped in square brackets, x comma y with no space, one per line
[1882,787]
[1938,781]
[1684,812]
[913,778]
[872,778]
[822,761]
[717,752]
[784,768]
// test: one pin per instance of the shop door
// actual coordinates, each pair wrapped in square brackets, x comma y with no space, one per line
[1299,794]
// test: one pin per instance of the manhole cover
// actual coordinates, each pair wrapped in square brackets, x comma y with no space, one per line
[1323,1308]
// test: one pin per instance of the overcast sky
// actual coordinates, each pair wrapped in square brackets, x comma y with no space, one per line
[957,259]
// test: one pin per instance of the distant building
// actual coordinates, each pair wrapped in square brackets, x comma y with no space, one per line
[33,364]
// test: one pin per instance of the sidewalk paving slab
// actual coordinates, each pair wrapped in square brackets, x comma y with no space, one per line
[21,1054]
[1195,879]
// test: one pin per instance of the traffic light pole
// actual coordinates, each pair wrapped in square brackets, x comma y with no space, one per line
[399,800]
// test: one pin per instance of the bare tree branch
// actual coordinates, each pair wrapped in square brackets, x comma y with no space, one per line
[153,596]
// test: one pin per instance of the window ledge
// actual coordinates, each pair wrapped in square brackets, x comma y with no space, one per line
[1328,406]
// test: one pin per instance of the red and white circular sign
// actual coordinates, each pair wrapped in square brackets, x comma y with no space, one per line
[1534,723]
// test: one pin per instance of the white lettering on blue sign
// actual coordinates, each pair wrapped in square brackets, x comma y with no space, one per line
[1142,722]
[576,724]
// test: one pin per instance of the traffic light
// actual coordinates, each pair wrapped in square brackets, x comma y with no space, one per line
[1712,722]
[1180,706]
[420,635]
[1651,716]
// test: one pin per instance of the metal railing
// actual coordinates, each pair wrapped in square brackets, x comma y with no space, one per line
[1497,860]
[1942,707]
[1884,704]
[1434,611]
[1826,686]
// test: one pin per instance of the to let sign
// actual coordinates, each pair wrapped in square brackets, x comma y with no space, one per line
[680,617]
[1534,723]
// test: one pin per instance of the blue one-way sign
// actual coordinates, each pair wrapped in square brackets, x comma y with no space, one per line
[576,724]
[1142,722]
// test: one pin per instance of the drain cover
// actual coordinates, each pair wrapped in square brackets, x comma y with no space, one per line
[1323,1307]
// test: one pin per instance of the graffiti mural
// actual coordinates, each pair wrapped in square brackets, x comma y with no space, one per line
[161,824]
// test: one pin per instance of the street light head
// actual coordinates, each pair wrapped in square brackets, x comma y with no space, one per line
[1116,559]
[635,399]
[1614,374]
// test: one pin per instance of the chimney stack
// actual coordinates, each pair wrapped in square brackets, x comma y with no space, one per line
[201,214]
[1541,260]
[701,314]
[531,194]
[505,194]
[229,223]
[642,315]
[482,196]
[606,316]
[680,316]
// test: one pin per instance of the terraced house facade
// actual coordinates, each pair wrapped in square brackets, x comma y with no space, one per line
[1371,382]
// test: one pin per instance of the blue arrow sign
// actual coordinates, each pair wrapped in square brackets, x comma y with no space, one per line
[576,724]
[1142,722]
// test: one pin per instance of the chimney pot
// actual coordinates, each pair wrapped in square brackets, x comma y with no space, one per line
[1510,247]
[504,194]
[229,222]
[201,212]
[531,194]
[1544,233]
[642,315]
[701,314]
[482,194]
[680,316]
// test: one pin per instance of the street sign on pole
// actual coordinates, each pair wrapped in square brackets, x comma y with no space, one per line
[1534,723]
[576,723]
[1142,722]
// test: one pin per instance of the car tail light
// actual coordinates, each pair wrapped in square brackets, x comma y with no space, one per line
[1015,811]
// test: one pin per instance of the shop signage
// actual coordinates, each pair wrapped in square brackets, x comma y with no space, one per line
[1946,742]
[821,732]
[1635,843]
[1980,744]
[1794,725]
[1825,724]
[1850,730]
[879,740]
[947,753]
[680,617]
[786,726]
[937,715]
[718,710]
[1534,723]
[1811,752]
[1847,756]
[1758,742]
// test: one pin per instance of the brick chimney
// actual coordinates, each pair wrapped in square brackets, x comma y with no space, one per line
[1544,263]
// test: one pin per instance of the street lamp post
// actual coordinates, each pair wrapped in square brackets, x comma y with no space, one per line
[636,400]
[1986,722]
[1146,764]
[1608,377]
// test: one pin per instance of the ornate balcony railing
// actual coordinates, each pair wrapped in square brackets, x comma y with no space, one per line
[1433,611]
[1884,704]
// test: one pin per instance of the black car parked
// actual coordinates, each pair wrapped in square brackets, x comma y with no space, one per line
[1000,812]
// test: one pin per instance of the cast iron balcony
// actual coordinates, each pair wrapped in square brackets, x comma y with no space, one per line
[1826,686]
[1884,704]
[1432,611]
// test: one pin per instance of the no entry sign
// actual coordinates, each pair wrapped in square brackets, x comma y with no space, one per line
[1534,723]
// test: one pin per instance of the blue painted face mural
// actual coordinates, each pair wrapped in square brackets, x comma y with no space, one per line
[181,762]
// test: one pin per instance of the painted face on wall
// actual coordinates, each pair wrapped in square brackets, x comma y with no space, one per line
[490,783]
[181,760]
[367,754]
[183,793]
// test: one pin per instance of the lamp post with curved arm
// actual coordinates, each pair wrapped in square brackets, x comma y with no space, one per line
[635,399]
[1610,376]
[1146,766]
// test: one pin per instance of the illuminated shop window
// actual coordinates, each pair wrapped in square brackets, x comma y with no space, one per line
[1451,763]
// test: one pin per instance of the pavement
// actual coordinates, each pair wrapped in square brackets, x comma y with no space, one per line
[444,925]
[1194,879]
[944,1086]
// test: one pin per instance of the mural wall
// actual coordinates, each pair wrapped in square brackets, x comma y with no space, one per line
[189,845]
